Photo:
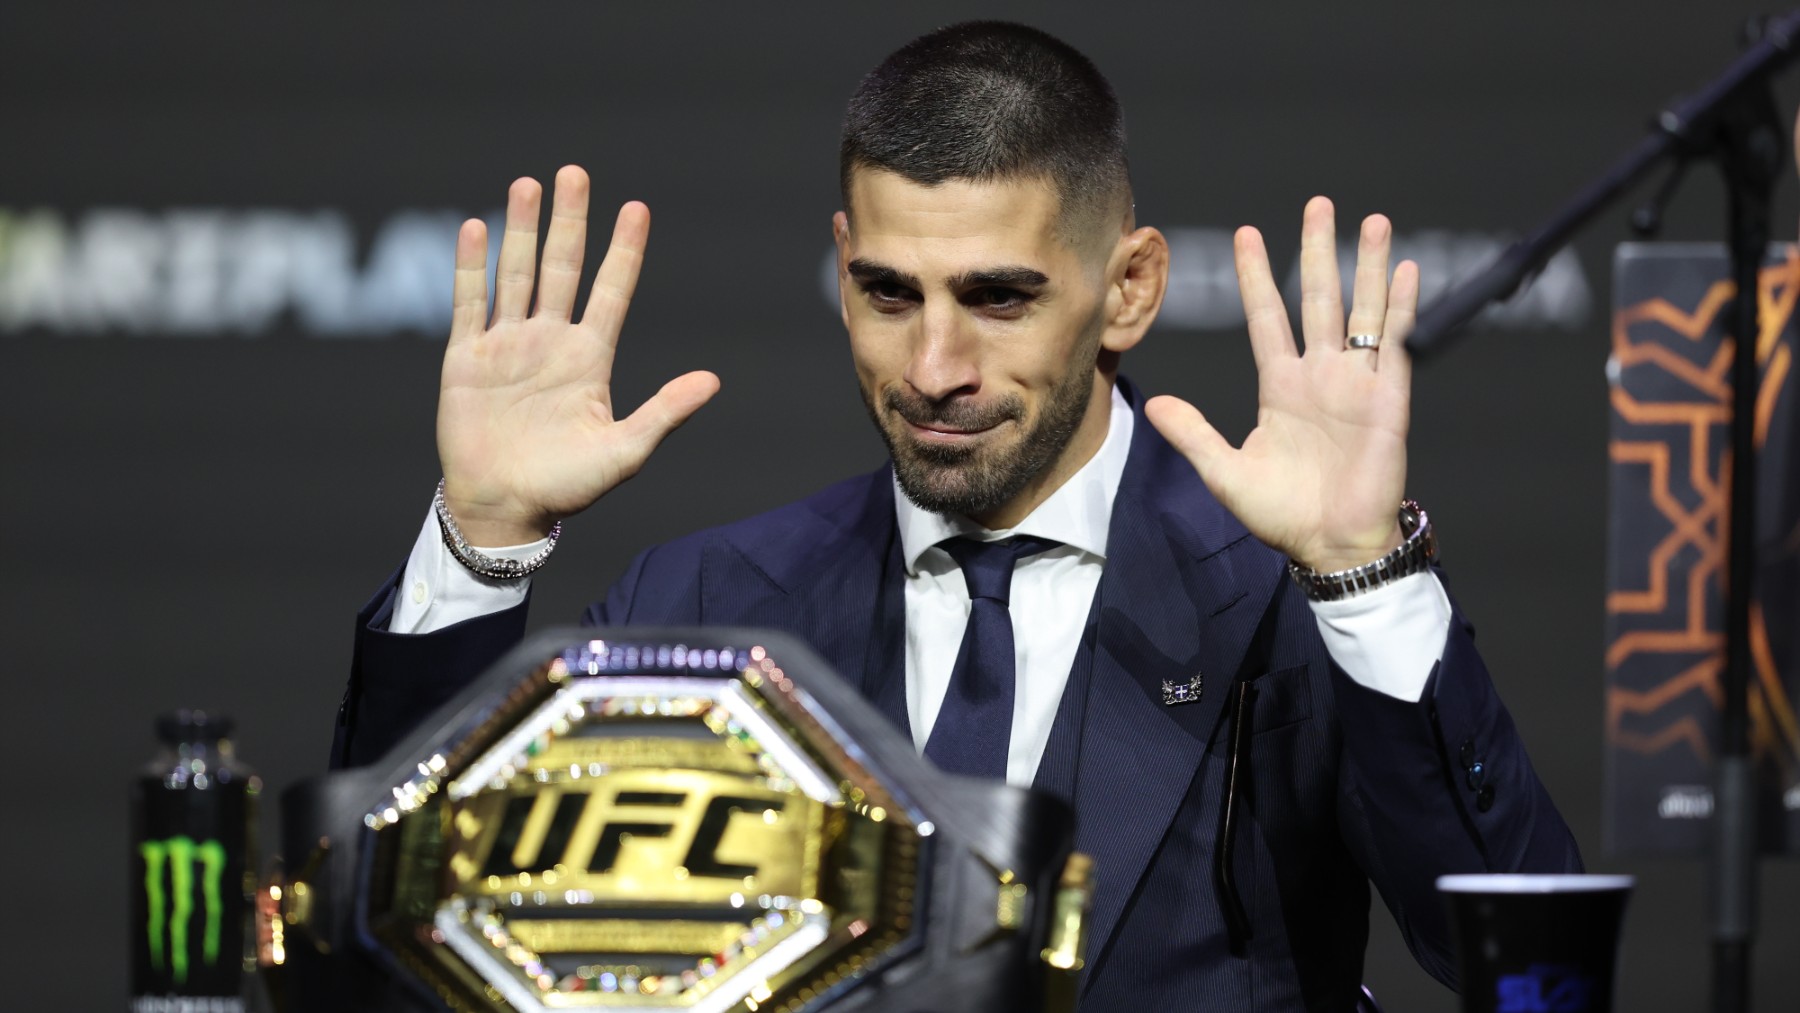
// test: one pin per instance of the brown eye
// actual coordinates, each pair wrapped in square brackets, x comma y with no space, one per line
[888,296]
[999,300]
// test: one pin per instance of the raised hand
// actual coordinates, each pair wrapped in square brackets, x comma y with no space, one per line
[526,430]
[1322,474]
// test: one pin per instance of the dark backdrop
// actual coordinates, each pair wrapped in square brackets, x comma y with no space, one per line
[192,511]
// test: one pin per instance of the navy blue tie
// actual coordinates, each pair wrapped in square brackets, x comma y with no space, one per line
[974,725]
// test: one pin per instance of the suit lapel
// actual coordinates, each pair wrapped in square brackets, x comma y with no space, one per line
[836,568]
[1175,601]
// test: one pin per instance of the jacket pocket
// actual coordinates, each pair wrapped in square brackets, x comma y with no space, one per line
[1283,698]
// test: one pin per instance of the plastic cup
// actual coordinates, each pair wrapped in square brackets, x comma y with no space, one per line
[1536,944]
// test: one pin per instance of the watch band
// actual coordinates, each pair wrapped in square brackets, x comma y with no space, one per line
[1412,556]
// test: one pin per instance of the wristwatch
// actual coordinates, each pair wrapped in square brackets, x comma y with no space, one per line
[1413,555]
[702,819]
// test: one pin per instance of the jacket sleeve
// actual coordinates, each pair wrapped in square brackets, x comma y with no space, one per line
[1442,786]
[396,679]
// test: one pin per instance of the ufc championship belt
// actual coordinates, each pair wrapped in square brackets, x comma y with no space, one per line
[689,819]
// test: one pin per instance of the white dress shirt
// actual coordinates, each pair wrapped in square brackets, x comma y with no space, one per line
[1388,639]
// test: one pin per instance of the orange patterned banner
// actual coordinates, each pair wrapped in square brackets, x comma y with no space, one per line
[1671,460]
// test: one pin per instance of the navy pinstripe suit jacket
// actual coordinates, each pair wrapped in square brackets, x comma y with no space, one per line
[1346,786]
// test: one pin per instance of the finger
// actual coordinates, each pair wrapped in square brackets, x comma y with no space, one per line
[1189,433]
[664,413]
[618,274]
[1369,298]
[1402,310]
[518,251]
[560,275]
[1321,287]
[1271,336]
[469,295]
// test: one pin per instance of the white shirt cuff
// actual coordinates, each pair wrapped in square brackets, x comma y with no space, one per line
[437,591]
[1391,638]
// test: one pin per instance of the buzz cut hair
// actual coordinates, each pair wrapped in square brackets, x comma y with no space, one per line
[989,102]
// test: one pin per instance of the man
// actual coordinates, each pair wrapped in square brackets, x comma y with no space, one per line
[1057,581]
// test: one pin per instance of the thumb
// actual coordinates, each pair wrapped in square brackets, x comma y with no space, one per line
[1189,433]
[664,413]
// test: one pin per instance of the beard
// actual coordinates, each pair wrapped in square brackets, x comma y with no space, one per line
[973,480]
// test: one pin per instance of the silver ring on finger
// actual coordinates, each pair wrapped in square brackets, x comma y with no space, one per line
[1369,341]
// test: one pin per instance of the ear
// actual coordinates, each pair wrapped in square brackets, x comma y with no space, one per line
[1137,275]
[1797,140]
[840,234]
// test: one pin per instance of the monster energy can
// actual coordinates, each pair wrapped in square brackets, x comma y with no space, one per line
[192,811]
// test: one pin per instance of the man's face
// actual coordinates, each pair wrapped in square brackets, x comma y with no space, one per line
[975,328]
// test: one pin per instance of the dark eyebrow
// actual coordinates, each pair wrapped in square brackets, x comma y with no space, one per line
[1002,277]
[870,273]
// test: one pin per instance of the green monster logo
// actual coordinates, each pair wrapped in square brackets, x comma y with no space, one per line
[171,910]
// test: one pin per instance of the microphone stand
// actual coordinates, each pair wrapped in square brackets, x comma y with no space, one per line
[1733,121]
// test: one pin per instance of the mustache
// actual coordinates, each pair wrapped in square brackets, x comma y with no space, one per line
[953,412]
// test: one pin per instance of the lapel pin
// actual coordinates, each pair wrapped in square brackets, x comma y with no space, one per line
[1179,693]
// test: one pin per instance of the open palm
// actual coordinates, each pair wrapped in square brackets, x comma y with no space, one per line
[1322,474]
[526,428]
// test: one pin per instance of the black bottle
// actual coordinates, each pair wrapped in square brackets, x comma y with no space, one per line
[192,810]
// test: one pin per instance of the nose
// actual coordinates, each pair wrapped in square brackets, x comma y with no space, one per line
[943,361]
